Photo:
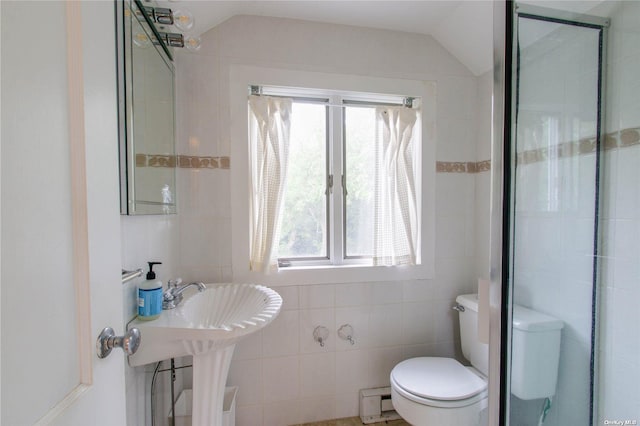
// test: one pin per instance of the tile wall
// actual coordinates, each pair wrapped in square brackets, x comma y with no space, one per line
[284,376]
[619,363]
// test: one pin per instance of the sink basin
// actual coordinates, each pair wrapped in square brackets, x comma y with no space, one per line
[209,320]
[207,326]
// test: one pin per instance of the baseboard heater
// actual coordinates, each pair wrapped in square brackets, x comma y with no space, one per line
[376,406]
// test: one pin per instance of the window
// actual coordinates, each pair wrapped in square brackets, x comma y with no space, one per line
[329,212]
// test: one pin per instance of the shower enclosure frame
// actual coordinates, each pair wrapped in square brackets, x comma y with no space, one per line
[505,73]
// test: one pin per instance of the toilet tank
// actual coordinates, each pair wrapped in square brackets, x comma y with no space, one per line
[477,353]
[535,353]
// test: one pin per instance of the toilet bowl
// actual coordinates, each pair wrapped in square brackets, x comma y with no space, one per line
[438,391]
[429,391]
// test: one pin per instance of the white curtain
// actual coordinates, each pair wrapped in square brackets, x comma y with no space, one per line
[396,209]
[269,128]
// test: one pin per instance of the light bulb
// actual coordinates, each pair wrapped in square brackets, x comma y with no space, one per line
[183,20]
[141,40]
[192,43]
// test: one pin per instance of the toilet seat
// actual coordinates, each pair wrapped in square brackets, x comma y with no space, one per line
[438,382]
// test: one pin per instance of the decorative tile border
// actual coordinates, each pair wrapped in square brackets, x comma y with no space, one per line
[483,166]
[461,167]
[182,161]
[623,138]
[627,137]
[194,162]
[614,140]
[144,160]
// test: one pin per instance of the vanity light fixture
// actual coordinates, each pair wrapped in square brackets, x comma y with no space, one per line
[182,20]
[192,43]
[141,40]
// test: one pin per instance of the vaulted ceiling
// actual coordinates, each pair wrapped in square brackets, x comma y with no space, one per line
[463,27]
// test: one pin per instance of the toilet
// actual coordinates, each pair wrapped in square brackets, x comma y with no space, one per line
[429,391]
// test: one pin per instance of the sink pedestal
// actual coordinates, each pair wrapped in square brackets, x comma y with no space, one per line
[210,371]
[207,326]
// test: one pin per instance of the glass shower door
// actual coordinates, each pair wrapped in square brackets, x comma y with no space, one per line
[554,210]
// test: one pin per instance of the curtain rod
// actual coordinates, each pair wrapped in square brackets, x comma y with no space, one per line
[406,102]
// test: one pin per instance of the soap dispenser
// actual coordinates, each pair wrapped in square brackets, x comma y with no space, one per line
[150,296]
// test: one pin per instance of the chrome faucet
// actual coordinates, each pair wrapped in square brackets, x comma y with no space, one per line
[173,296]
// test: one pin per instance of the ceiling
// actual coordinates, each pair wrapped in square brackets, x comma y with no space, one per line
[463,27]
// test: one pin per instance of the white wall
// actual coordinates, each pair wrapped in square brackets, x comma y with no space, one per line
[619,364]
[483,178]
[284,376]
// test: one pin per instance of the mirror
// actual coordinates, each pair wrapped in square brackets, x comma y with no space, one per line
[147,117]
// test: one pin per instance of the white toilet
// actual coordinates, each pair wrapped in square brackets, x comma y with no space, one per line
[429,391]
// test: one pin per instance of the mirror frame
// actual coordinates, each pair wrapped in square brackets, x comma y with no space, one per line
[126,111]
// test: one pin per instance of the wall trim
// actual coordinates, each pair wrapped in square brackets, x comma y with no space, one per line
[614,140]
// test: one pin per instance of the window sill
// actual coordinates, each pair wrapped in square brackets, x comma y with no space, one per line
[334,274]
[314,267]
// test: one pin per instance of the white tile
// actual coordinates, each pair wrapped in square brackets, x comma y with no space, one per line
[224,242]
[250,347]
[317,296]
[249,416]
[626,273]
[347,405]
[385,292]
[446,324]
[281,337]
[226,274]
[317,409]
[455,141]
[450,236]
[417,290]
[622,405]
[382,362]
[317,374]
[453,270]
[358,294]
[309,320]
[198,245]
[627,237]
[281,379]
[223,194]
[358,319]
[415,351]
[385,325]
[456,97]
[247,375]
[417,323]
[352,372]
[289,296]
[281,414]
[447,289]
[626,339]
[573,383]
[447,349]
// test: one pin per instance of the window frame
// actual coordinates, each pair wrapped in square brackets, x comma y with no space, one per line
[336,104]
[240,77]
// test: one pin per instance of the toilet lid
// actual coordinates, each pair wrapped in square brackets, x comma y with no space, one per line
[437,378]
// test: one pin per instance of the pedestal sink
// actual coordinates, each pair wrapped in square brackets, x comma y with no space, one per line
[207,326]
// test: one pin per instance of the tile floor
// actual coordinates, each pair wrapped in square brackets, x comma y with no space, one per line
[355,421]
